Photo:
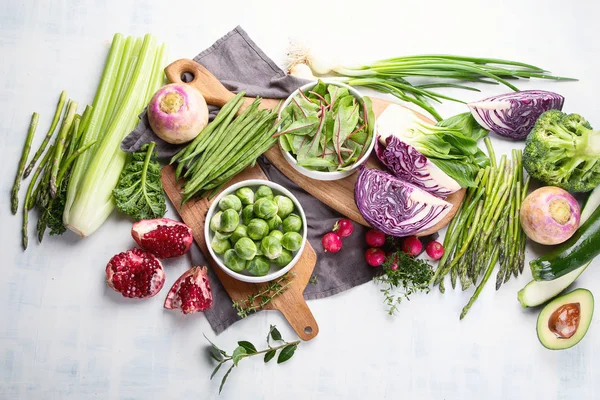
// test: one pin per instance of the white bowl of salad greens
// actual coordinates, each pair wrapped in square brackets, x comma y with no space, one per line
[327,130]
[255,230]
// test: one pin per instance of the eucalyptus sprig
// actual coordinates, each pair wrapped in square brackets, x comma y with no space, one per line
[257,301]
[246,349]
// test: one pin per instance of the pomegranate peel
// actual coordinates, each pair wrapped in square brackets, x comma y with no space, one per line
[191,292]
[163,237]
[135,273]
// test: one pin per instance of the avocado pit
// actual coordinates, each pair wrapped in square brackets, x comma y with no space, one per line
[564,321]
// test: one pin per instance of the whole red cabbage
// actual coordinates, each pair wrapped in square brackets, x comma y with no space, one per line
[409,165]
[513,115]
[395,207]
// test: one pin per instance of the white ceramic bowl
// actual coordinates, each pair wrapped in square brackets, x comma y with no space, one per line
[275,272]
[322,175]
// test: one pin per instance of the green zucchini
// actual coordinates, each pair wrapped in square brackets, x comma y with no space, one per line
[580,249]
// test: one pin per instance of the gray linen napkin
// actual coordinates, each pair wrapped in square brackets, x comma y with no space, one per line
[241,65]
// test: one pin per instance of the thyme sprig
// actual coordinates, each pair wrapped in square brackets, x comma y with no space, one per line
[257,301]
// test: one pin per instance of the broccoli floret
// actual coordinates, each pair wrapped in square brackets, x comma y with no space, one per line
[563,150]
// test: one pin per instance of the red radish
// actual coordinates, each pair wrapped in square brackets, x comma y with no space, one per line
[343,228]
[191,292]
[374,238]
[331,242]
[135,273]
[163,237]
[375,257]
[435,250]
[412,245]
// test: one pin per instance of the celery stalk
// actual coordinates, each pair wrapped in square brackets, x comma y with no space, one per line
[92,196]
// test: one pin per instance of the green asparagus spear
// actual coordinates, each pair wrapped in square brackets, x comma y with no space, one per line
[38,153]
[14,197]
[60,144]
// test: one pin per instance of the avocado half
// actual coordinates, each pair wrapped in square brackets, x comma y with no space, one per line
[564,321]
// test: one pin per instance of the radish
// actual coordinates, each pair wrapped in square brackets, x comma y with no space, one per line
[343,228]
[412,246]
[435,250]
[375,257]
[177,113]
[331,242]
[375,238]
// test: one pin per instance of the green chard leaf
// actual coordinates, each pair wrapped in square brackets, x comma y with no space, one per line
[139,192]
[304,126]
[344,125]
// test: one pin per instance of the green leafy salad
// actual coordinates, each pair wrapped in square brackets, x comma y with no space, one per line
[331,129]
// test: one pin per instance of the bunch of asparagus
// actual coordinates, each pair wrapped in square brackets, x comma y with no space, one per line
[225,147]
[487,229]
[50,178]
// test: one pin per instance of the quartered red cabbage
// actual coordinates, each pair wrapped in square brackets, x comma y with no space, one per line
[409,165]
[513,115]
[395,207]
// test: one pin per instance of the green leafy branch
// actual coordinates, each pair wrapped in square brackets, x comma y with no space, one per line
[246,349]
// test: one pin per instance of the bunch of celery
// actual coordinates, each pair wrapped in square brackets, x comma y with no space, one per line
[132,73]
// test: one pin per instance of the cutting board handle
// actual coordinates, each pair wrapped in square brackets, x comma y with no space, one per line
[202,79]
[300,317]
[192,73]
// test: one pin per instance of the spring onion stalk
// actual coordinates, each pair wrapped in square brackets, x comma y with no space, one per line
[443,70]
[132,73]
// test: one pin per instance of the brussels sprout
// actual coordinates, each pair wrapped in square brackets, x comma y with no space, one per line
[233,261]
[215,221]
[265,208]
[276,233]
[222,236]
[271,247]
[258,229]
[263,192]
[284,259]
[230,201]
[285,206]
[240,231]
[220,246]
[245,248]
[292,241]
[246,195]
[292,223]
[274,222]
[259,266]
[258,250]
[247,214]
[229,220]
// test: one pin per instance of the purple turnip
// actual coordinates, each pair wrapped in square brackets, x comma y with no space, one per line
[177,113]
[550,215]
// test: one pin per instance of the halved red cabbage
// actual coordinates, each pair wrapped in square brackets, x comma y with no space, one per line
[395,207]
[408,164]
[513,115]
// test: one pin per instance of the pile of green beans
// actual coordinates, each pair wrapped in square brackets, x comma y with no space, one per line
[487,229]
[225,147]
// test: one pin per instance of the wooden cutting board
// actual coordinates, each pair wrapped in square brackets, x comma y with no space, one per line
[338,194]
[291,302]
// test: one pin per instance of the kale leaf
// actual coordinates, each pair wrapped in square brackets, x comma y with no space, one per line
[139,192]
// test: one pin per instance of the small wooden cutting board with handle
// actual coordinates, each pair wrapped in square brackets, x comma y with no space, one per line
[291,302]
[338,194]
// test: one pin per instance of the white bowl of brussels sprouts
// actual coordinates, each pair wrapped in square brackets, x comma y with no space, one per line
[255,230]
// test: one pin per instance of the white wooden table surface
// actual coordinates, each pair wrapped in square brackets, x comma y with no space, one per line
[65,335]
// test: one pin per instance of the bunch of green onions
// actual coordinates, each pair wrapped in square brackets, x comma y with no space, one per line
[487,229]
[441,71]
